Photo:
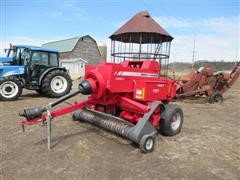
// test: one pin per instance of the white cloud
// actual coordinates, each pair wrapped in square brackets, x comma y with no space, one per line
[216,38]
[24,41]
[174,22]
[207,48]
[54,13]
[218,24]
[67,11]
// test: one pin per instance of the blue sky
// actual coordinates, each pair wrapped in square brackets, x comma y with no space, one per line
[215,24]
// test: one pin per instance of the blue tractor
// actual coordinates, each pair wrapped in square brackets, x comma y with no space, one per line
[33,68]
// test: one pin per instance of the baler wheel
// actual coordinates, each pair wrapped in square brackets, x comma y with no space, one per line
[147,143]
[171,120]
[216,98]
[10,88]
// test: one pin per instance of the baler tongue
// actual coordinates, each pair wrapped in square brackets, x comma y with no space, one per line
[35,112]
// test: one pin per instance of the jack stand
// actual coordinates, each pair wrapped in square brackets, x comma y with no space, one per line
[49,129]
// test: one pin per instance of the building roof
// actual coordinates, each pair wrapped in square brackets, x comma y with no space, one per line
[74,60]
[36,48]
[65,45]
[141,27]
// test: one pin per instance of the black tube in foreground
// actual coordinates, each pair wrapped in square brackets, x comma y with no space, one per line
[63,98]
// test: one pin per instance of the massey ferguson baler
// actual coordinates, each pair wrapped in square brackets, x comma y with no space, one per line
[128,97]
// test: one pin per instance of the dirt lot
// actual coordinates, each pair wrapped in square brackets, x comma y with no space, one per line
[207,148]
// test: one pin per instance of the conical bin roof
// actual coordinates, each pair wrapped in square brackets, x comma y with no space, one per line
[141,28]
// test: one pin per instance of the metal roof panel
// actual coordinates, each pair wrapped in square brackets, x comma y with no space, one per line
[142,24]
[65,45]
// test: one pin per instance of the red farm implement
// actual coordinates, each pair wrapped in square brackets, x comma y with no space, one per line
[127,97]
[205,83]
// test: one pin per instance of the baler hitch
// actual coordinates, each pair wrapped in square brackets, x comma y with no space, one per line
[43,114]
[34,112]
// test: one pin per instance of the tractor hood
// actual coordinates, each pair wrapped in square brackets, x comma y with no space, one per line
[5,59]
[11,70]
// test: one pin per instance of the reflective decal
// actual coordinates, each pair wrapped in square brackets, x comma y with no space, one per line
[136,74]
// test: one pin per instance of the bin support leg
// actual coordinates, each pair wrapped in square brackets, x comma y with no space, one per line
[49,129]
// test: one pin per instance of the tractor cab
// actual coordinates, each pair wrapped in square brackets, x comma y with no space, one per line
[36,61]
[22,54]
[33,60]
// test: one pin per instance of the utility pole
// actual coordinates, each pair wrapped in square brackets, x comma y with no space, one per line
[174,67]
[193,53]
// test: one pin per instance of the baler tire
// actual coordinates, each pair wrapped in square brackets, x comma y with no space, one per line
[147,143]
[171,120]
[47,83]
[10,82]
[216,97]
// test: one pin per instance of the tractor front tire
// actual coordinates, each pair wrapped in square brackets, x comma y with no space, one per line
[171,120]
[56,83]
[10,88]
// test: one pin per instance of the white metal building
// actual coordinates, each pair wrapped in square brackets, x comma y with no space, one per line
[76,67]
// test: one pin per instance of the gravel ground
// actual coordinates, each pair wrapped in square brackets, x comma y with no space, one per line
[207,148]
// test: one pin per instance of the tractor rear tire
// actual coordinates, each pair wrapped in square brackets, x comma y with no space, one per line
[39,91]
[171,120]
[216,98]
[56,83]
[10,88]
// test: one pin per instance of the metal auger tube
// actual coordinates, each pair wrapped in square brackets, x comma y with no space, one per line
[143,133]
[118,127]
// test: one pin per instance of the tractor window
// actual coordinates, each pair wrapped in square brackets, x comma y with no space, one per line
[39,58]
[25,57]
[11,53]
[53,59]
[44,59]
[19,56]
